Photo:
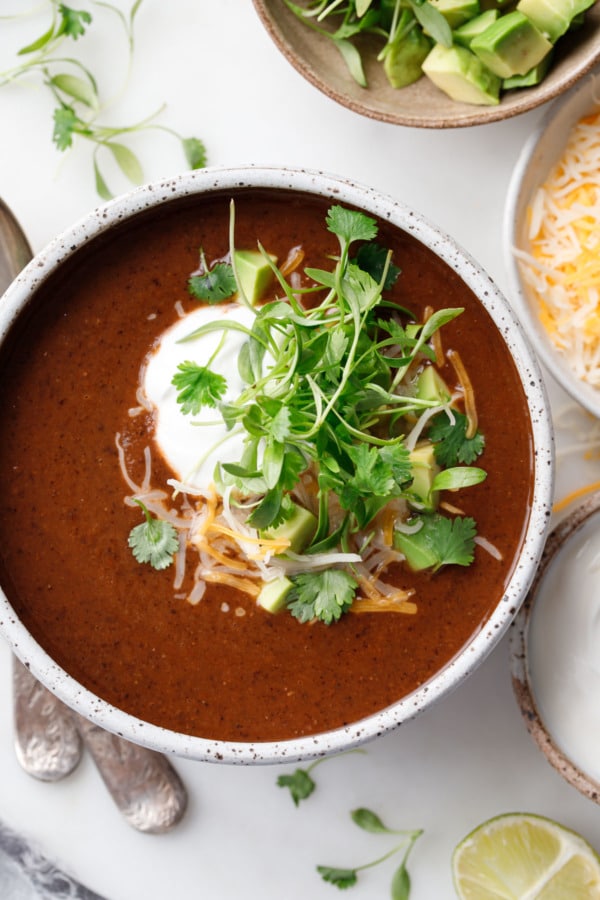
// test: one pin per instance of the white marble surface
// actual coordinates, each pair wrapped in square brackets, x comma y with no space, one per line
[462,761]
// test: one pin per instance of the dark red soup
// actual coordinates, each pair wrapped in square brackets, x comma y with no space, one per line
[69,373]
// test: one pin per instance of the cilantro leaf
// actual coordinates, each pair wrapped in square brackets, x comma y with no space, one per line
[299,783]
[372,258]
[66,124]
[214,285]
[443,541]
[321,595]
[73,21]
[351,225]
[452,445]
[342,878]
[154,541]
[198,386]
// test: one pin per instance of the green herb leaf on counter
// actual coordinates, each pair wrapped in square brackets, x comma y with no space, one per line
[77,93]
[154,541]
[301,784]
[344,878]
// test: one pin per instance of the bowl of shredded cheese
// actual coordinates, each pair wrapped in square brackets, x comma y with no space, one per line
[552,241]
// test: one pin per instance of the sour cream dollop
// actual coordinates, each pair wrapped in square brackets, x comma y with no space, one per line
[193,450]
[563,648]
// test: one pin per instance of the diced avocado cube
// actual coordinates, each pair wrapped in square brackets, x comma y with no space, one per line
[299,529]
[511,45]
[273,594]
[253,272]
[418,555]
[553,17]
[424,468]
[403,58]
[465,34]
[534,76]
[462,76]
[431,386]
[456,12]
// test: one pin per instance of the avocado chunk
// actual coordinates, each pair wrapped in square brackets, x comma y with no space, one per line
[553,17]
[431,386]
[465,34]
[299,529]
[253,272]
[456,12]
[404,55]
[424,469]
[462,76]
[534,76]
[511,45]
[418,554]
[273,594]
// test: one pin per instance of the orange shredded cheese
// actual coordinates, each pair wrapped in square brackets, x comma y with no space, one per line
[575,495]
[468,392]
[561,266]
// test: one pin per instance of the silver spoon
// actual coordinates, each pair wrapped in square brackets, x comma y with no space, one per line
[48,736]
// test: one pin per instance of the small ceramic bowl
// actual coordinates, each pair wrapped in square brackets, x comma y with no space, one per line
[150,201]
[554,651]
[538,157]
[420,105]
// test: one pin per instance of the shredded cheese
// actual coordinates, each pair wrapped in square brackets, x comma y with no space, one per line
[561,266]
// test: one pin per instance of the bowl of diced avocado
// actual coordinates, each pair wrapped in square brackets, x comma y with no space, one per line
[437,63]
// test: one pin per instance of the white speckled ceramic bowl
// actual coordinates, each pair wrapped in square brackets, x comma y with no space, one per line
[538,156]
[490,632]
[568,759]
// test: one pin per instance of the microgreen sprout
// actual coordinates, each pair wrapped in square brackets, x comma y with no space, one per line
[347,877]
[300,783]
[77,95]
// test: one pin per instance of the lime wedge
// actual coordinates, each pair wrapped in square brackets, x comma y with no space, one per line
[525,857]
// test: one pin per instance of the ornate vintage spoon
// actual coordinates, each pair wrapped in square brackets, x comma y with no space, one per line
[48,736]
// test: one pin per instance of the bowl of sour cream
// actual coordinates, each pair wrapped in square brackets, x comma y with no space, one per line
[554,641]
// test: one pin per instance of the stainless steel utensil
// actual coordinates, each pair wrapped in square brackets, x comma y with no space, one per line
[48,736]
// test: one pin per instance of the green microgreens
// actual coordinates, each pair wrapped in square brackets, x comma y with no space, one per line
[153,541]
[76,93]
[212,284]
[347,20]
[347,877]
[335,397]
[441,540]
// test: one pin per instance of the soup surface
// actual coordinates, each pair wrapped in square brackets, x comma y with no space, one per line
[224,668]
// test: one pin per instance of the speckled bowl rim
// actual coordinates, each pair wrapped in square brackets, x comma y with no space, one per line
[517,642]
[339,191]
[539,153]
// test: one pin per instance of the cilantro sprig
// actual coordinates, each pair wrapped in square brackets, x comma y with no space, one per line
[78,97]
[154,541]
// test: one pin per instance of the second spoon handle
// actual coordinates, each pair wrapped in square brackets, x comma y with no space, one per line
[142,782]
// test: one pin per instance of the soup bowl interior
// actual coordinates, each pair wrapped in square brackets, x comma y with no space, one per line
[59,643]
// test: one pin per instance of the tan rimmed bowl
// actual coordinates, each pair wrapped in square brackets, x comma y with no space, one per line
[420,104]
[537,696]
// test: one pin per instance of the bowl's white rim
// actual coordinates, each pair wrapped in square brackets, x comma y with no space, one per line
[386,208]
[540,152]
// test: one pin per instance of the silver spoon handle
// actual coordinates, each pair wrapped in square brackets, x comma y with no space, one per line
[143,783]
[47,743]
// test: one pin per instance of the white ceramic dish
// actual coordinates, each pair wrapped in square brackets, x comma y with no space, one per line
[539,154]
[481,643]
[568,743]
